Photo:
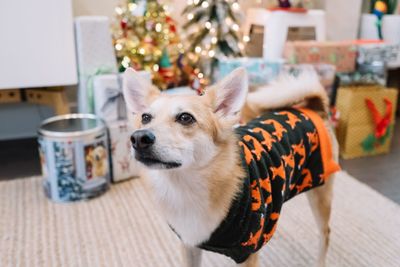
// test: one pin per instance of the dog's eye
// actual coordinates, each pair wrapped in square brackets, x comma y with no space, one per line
[146,118]
[185,119]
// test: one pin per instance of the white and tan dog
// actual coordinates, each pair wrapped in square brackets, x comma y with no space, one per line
[191,157]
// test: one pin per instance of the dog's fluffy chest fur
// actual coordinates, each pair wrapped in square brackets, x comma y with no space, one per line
[185,203]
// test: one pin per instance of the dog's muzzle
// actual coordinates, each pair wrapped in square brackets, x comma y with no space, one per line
[143,141]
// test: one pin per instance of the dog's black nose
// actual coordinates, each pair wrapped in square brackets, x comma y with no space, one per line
[142,139]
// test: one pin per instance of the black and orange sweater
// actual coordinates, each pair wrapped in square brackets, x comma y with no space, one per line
[284,153]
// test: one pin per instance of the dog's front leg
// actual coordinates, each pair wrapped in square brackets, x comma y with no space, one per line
[191,256]
[252,261]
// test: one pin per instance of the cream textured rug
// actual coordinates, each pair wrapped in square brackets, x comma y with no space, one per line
[122,228]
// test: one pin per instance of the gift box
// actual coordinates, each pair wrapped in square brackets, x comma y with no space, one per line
[366,73]
[340,54]
[325,72]
[95,55]
[377,52]
[109,101]
[367,118]
[123,166]
[260,71]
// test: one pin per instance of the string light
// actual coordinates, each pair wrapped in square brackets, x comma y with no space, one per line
[156,67]
[211,53]
[235,6]
[214,40]
[118,47]
[205,4]
[158,27]
[196,2]
[197,49]
[132,6]
[200,75]
[125,62]
[235,27]
[246,38]
[119,10]
[190,16]
[208,25]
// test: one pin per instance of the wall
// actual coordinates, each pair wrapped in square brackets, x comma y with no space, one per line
[26,118]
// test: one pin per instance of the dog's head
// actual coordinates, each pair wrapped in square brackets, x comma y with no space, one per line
[99,155]
[182,131]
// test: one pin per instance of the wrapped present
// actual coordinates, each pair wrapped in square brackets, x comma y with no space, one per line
[123,166]
[377,52]
[366,73]
[326,73]
[260,70]
[340,54]
[109,101]
[95,55]
[367,118]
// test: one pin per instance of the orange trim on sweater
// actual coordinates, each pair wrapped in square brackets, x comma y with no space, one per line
[329,164]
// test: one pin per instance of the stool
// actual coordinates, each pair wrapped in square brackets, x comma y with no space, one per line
[276,25]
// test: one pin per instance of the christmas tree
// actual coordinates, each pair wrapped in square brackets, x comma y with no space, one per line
[212,32]
[143,35]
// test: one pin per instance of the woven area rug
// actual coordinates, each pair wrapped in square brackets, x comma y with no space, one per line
[122,228]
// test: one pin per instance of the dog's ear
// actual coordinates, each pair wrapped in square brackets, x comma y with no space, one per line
[138,92]
[229,95]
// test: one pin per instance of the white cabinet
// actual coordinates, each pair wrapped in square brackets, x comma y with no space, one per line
[36,44]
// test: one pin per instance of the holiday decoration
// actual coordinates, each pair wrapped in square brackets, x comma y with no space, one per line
[369,52]
[95,55]
[381,132]
[212,33]
[74,157]
[123,165]
[366,120]
[326,74]
[284,3]
[260,71]
[110,106]
[297,6]
[109,101]
[379,8]
[144,37]
[341,54]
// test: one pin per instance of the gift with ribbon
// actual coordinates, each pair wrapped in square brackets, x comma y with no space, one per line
[381,123]
[367,118]
[95,56]
[109,103]
[341,54]
[123,166]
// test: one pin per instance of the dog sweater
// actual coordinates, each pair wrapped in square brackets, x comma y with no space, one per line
[284,152]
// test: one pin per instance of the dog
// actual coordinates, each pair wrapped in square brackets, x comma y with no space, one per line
[98,159]
[198,160]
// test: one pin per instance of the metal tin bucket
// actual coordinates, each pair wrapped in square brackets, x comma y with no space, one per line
[74,156]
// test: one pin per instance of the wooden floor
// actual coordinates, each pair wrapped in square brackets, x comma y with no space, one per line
[19,158]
